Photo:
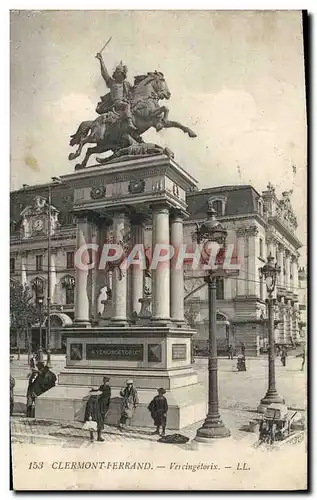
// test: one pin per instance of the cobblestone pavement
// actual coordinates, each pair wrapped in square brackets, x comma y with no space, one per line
[239,396]
[72,434]
[243,390]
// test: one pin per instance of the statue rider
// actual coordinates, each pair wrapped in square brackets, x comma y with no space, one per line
[119,92]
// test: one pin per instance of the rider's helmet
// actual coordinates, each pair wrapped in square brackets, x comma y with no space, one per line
[121,69]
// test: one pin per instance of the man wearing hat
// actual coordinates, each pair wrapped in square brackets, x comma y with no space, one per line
[129,403]
[93,413]
[104,399]
[158,408]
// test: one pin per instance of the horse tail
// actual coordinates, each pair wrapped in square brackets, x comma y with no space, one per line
[81,133]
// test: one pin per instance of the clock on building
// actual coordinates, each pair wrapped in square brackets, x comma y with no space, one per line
[38,224]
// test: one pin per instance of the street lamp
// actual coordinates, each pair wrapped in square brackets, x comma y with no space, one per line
[270,271]
[40,303]
[212,231]
[56,180]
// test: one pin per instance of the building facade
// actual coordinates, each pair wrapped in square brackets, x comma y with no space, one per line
[257,224]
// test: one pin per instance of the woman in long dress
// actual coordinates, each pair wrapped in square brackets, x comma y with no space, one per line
[93,413]
[129,403]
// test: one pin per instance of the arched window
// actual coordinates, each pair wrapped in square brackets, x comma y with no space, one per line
[38,286]
[218,204]
[68,282]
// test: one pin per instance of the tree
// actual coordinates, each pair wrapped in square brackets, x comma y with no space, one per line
[190,314]
[23,312]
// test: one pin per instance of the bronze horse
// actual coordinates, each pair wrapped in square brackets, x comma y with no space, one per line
[110,132]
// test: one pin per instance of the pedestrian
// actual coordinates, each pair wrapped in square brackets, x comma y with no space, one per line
[284,355]
[40,356]
[303,356]
[49,378]
[303,361]
[30,394]
[158,408]
[12,384]
[32,361]
[105,397]
[243,348]
[93,414]
[128,404]
[230,352]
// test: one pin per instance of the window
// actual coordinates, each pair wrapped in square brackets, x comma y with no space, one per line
[12,264]
[69,295]
[217,205]
[220,288]
[69,220]
[261,247]
[260,207]
[39,263]
[70,260]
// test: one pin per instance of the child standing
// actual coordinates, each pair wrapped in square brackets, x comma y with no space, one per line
[158,408]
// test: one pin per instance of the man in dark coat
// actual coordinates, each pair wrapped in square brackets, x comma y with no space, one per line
[49,378]
[46,380]
[158,408]
[104,399]
[93,413]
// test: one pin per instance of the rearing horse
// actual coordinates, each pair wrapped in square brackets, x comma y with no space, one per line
[110,132]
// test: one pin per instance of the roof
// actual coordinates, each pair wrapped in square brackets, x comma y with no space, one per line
[241,199]
[62,200]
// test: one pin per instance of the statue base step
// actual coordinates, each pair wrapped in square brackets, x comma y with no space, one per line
[153,357]
[187,405]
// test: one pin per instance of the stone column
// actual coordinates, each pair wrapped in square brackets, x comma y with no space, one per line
[119,276]
[24,278]
[100,275]
[161,275]
[81,314]
[136,271]
[92,275]
[177,275]
[280,262]
[287,270]
[241,279]
[294,282]
[252,233]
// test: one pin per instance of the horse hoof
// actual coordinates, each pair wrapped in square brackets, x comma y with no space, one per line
[192,134]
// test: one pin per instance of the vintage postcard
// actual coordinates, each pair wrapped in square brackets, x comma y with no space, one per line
[158,250]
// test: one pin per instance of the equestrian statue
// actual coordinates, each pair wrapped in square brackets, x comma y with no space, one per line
[125,113]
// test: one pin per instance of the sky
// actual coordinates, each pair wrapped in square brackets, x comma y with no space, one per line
[236,78]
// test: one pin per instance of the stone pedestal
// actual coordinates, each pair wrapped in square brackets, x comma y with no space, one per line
[151,346]
[152,357]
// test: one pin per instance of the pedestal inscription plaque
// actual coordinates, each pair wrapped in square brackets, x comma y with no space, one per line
[115,352]
[178,352]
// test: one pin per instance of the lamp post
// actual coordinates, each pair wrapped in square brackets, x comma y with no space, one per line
[40,303]
[56,180]
[212,231]
[270,271]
